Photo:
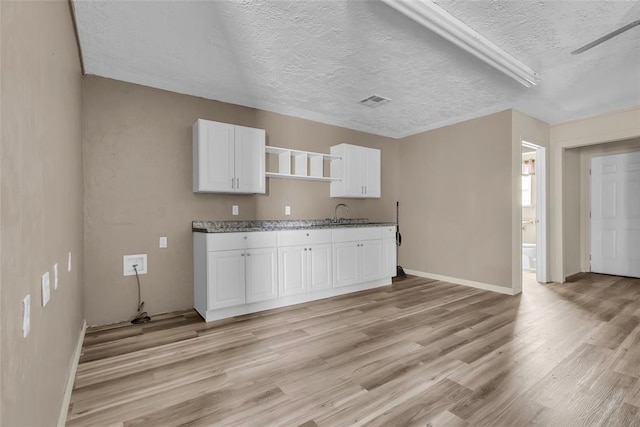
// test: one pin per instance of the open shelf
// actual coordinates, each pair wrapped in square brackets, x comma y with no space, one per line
[298,164]
[302,177]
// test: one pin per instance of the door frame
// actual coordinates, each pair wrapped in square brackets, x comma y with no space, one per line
[541,211]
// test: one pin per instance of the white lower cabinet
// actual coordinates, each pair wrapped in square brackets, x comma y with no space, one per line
[306,266]
[234,269]
[239,273]
[370,260]
[319,264]
[345,263]
[359,255]
[242,276]
[357,262]
[261,272]
[293,270]
[226,278]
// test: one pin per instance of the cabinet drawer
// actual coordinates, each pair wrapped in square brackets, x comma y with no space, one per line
[303,237]
[356,234]
[232,241]
[261,239]
[226,241]
[388,232]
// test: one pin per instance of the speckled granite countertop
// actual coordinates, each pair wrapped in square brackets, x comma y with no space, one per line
[274,225]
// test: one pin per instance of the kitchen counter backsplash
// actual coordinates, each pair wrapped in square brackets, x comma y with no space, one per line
[272,225]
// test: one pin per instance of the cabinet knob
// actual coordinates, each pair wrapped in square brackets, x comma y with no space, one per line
[242,254]
[309,249]
[245,237]
[305,249]
[307,234]
[248,253]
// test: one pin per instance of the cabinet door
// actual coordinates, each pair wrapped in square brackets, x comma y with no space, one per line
[371,261]
[371,178]
[346,261]
[353,171]
[319,263]
[225,279]
[214,149]
[389,262]
[293,270]
[261,274]
[249,160]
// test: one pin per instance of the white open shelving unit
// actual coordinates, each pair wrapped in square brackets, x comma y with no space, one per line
[297,164]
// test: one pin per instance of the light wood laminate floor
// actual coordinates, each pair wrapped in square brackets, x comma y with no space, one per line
[419,352]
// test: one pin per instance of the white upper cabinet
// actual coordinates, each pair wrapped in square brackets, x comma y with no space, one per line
[358,171]
[228,158]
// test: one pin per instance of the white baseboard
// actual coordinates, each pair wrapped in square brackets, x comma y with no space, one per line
[464,282]
[62,419]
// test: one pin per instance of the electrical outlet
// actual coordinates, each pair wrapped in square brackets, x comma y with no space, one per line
[163,242]
[46,290]
[234,210]
[26,316]
[287,210]
[69,263]
[140,260]
[55,276]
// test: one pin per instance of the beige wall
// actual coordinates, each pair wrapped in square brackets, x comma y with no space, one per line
[602,129]
[456,200]
[571,212]
[137,165]
[41,206]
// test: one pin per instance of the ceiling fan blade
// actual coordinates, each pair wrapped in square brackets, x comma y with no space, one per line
[607,37]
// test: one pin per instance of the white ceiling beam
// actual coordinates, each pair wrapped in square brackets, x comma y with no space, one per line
[438,20]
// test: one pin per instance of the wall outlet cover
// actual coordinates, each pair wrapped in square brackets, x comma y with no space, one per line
[26,316]
[69,263]
[163,242]
[141,264]
[234,210]
[46,289]
[287,210]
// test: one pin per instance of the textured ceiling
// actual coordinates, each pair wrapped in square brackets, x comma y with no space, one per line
[317,59]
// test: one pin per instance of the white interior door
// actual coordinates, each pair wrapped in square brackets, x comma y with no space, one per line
[615,214]
[541,210]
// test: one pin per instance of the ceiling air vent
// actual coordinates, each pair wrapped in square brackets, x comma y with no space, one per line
[374,101]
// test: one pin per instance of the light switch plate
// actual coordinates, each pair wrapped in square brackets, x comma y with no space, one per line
[234,210]
[163,242]
[55,276]
[287,210]
[26,316]
[46,290]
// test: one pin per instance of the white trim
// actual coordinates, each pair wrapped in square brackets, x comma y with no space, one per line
[541,215]
[62,419]
[463,282]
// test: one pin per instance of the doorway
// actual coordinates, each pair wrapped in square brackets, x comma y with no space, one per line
[534,211]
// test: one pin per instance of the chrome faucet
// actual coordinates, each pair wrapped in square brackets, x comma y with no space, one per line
[335,211]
